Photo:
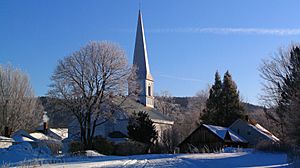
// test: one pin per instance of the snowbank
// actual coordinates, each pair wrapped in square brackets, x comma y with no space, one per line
[206,160]
[232,157]
[22,152]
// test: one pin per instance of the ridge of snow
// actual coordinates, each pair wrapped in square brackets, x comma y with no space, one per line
[264,131]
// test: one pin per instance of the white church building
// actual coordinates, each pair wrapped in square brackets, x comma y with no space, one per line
[145,98]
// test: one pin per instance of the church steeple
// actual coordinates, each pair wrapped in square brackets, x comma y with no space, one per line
[140,61]
[140,52]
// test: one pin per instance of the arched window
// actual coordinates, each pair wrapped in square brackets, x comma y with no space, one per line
[149,90]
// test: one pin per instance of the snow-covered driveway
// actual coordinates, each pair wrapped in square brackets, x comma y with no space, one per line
[239,159]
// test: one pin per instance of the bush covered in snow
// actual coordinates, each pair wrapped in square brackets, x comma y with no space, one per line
[91,153]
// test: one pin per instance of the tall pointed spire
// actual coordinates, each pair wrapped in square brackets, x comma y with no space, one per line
[140,52]
[140,61]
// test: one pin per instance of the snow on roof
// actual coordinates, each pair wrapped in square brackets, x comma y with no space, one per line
[39,136]
[61,132]
[221,132]
[3,138]
[264,131]
[236,138]
[23,136]
[19,138]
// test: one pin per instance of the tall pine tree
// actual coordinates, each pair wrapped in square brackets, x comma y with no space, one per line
[213,102]
[231,108]
[289,104]
[223,106]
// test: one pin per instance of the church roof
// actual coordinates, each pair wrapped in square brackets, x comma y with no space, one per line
[130,106]
[140,60]
[126,108]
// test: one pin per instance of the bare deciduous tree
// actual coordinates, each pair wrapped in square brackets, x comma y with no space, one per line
[185,116]
[19,108]
[188,119]
[87,80]
[273,71]
[197,104]
[165,104]
[281,90]
[170,139]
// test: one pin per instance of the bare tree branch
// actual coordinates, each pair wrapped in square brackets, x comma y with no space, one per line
[88,80]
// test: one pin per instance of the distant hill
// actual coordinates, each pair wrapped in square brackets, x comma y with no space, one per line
[61,118]
[249,108]
[58,118]
[182,101]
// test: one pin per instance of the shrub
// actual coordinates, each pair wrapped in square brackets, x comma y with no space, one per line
[267,146]
[159,148]
[130,148]
[54,145]
[76,147]
[141,128]
[116,134]
[101,145]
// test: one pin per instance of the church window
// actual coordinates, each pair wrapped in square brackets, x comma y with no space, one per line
[149,90]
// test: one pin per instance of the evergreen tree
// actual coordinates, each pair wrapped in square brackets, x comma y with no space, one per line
[289,104]
[231,105]
[213,102]
[223,106]
[141,128]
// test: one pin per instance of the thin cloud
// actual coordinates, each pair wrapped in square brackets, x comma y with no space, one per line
[182,78]
[258,31]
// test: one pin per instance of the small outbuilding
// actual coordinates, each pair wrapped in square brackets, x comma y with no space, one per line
[210,138]
[253,132]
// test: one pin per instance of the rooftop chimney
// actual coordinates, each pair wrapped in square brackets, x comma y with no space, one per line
[45,128]
[246,118]
[6,132]
[45,123]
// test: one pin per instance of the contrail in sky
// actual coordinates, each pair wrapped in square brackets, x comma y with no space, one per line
[181,78]
[258,31]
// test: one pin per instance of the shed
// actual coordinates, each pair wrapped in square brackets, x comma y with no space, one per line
[253,132]
[209,138]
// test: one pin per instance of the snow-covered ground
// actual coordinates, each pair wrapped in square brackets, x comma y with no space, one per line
[230,158]
[24,155]
[239,159]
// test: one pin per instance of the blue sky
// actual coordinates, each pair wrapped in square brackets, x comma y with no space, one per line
[187,40]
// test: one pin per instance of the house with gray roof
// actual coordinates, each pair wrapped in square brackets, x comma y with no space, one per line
[253,132]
